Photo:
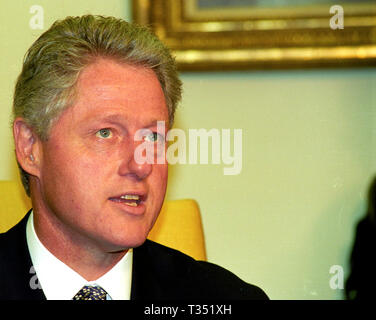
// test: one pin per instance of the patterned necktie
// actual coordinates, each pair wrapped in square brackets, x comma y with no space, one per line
[91,293]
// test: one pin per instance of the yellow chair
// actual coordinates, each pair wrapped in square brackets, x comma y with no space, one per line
[178,225]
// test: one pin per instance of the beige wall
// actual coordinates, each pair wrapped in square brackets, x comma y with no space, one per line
[308,156]
[308,141]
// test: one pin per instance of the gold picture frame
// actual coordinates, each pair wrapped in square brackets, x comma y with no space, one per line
[261,38]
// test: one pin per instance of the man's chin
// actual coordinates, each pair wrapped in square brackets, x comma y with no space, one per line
[126,244]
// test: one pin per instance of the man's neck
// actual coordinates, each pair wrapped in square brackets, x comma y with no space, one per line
[82,255]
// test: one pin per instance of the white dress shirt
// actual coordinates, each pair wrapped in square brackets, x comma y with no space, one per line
[60,282]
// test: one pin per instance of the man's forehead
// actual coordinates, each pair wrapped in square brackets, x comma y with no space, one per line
[107,89]
[107,79]
[110,70]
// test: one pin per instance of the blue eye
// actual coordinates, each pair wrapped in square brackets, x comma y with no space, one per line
[153,137]
[104,133]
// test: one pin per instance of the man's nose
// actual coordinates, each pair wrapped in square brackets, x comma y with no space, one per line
[133,167]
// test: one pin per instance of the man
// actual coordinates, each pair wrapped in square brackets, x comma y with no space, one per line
[90,87]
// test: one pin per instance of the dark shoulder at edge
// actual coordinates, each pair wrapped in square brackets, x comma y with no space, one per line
[216,279]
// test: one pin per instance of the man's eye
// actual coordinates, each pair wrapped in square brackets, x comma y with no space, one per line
[104,133]
[153,137]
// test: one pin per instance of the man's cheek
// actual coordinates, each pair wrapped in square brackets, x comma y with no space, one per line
[160,175]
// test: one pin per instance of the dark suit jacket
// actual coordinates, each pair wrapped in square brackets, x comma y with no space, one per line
[361,282]
[158,273]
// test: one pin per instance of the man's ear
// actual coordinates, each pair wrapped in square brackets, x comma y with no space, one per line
[28,147]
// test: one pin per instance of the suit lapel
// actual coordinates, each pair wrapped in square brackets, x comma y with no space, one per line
[145,284]
[20,281]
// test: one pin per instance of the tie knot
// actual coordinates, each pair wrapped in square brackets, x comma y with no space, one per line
[91,293]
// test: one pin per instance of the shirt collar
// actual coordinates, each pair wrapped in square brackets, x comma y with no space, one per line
[60,282]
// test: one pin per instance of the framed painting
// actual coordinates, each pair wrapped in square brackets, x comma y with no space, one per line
[263,34]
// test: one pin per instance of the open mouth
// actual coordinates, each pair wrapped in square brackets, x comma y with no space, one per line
[132,200]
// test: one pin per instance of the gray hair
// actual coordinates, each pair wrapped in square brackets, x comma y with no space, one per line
[46,85]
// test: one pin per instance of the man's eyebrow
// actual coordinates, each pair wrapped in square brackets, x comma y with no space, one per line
[154,123]
[117,118]
[114,117]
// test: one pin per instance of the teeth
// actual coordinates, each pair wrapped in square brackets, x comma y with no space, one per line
[132,204]
[130,197]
